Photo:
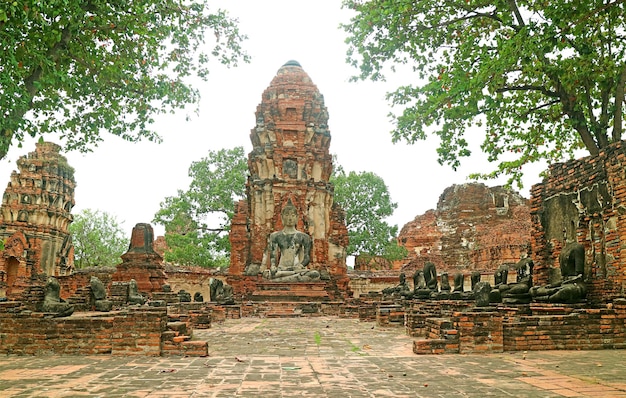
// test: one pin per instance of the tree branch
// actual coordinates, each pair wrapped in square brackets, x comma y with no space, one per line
[604,104]
[578,121]
[547,104]
[601,138]
[606,6]
[568,100]
[518,15]
[528,87]
[466,17]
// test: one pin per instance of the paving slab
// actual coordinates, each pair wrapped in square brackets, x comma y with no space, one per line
[316,357]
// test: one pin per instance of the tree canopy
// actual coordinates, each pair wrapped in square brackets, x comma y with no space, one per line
[98,239]
[540,78]
[80,68]
[197,220]
[365,199]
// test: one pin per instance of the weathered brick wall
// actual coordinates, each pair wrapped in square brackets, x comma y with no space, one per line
[81,278]
[479,331]
[583,199]
[580,329]
[371,283]
[417,312]
[390,314]
[192,279]
[130,332]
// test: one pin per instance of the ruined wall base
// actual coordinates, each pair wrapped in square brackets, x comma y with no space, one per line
[130,332]
[135,331]
[441,330]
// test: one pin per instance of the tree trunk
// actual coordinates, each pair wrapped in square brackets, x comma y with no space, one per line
[5,142]
[619,105]
[14,119]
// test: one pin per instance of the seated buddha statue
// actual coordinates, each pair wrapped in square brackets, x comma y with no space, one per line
[289,251]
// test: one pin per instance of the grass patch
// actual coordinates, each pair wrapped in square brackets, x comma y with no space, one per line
[318,339]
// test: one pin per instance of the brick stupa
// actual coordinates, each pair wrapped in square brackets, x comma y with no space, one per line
[290,161]
[34,219]
[141,262]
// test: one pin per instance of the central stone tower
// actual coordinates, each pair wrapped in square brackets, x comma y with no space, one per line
[289,162]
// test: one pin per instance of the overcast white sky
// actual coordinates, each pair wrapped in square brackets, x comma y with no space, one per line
[130,180]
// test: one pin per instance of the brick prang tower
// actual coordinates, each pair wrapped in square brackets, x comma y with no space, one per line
[34,219]
[290,161]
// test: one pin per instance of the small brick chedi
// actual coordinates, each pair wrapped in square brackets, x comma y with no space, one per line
[141,262]
[290,164]
[34,219]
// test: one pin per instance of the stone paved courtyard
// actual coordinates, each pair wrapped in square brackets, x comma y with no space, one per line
[316,357]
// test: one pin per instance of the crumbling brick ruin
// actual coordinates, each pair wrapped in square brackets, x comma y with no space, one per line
[141,262]
[163,327]
[578,201]
[473,228]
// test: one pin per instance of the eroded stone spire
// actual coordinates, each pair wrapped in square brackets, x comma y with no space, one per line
[35,216]
[290,161]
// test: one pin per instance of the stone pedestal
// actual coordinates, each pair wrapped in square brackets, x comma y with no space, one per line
[292,292]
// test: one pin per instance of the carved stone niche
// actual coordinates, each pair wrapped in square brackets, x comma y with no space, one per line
[14,273]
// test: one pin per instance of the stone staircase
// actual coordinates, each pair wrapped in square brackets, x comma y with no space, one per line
[176,341]
[470,332]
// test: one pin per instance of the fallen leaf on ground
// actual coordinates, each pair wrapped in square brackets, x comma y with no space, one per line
[167,370]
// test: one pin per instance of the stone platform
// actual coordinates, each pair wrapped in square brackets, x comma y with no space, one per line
[290,292]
